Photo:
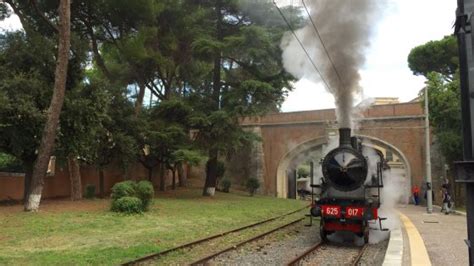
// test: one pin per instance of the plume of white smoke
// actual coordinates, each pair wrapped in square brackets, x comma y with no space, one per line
[390,195]
[345,28]
[358,112]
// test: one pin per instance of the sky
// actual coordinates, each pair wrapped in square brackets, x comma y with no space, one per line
[403,25]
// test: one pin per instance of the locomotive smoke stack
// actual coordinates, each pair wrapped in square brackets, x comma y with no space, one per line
[345,137]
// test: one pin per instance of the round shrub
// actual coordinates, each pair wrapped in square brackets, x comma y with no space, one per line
[90,191]
[123,189]
[128,205]
[145,192]
[252,185]
[303,171]
[226,183]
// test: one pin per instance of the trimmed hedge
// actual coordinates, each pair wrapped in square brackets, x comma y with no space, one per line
[123,189]
[90,192]
[134,193]
[226,183]
[252,185]
[128,205]
[145,192]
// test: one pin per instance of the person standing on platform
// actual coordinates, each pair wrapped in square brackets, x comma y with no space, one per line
[446,201]
[447,204]
[416,194]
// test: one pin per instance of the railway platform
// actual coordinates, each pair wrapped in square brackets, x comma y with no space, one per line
[432,239]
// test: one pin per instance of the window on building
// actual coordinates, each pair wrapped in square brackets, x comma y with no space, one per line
[389,156]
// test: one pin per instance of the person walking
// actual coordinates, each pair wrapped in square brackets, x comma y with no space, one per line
[416,194]
[446,201]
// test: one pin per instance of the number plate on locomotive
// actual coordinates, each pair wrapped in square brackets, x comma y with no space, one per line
[331,210]
[354,212]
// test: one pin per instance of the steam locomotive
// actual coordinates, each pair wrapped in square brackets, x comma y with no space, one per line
[348,199]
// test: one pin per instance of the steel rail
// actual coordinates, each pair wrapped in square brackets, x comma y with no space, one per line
[208,258]
[359,256]
[312,249]
[199,241]
[303,255]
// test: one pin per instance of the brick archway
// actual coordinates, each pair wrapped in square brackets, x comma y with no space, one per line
[318,143]
[398,126]
[284,163]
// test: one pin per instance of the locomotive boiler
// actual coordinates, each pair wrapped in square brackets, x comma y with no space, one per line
[349,195]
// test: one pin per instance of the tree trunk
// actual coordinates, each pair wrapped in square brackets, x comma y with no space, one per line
[211,171]
[174,178]
[211,174]
[181,176]
[140,96]
[162,177]
[49,131]
[27,183]
[101,183]
[150,174]
[75,177]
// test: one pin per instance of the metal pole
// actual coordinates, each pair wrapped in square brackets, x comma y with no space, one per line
[465,169]
[429,198]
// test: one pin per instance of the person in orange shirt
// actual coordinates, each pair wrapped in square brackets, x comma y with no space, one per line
[416,194]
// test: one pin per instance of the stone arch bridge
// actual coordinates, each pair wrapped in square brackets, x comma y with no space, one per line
[397,130]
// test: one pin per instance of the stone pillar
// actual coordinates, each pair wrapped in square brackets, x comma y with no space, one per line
[257,162]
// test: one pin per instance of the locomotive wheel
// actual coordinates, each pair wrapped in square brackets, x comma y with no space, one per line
[323,233]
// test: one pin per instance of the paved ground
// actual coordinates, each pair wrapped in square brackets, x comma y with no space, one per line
[442,234]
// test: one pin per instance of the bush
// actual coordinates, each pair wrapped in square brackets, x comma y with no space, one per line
[128,205]
[145,192]
[303,171]
[226,183]
[123,189]
[90,191]
[9,163]
[252,185]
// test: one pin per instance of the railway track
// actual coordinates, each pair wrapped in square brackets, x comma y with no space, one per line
[212,256]
[307,255]
[157,255]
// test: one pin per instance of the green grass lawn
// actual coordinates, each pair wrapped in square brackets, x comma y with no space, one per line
[87,232]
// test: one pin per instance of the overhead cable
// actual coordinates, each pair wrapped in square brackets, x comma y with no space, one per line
[302,46]
[322,42]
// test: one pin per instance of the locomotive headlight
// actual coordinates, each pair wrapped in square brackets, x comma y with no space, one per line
[370,201]
[315,211]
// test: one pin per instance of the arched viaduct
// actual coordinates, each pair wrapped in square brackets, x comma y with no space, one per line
[398,128]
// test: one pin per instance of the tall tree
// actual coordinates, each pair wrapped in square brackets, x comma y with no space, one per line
[438,62]
[49,132]
[439,56]
[83,117]
[25,87]
[246,78]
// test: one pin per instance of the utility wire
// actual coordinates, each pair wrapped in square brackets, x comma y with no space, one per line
[322,42]
[302,46]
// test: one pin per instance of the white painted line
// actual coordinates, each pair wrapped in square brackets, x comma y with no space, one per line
[394,252]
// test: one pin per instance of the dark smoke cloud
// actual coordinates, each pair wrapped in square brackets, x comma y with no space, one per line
[345,27]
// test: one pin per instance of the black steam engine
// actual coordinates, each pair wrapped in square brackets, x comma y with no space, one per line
[349,197]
